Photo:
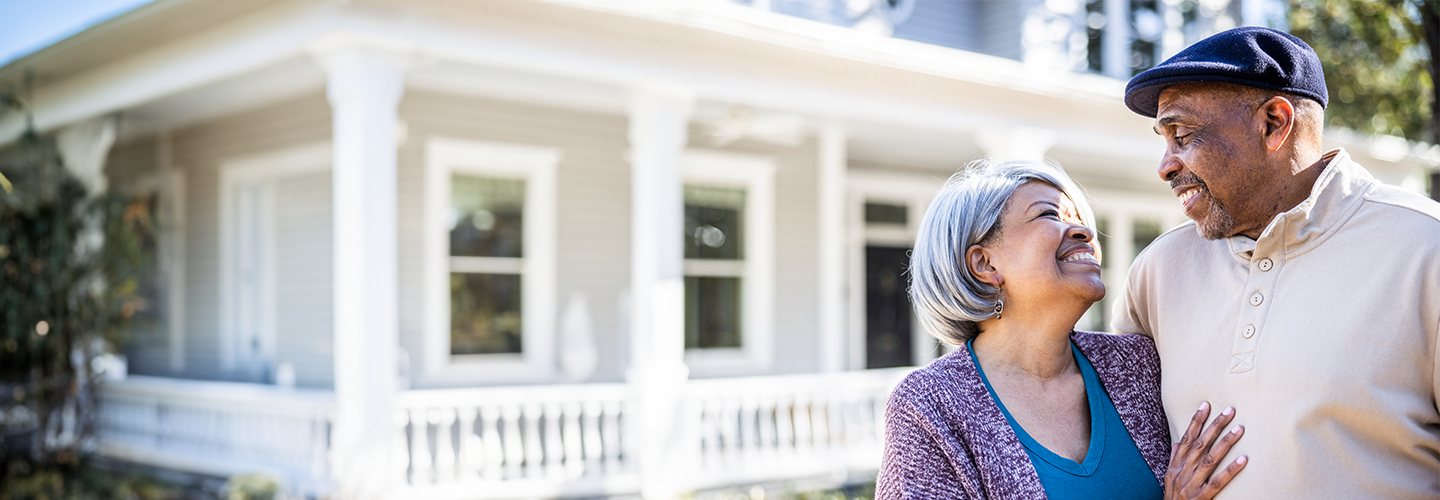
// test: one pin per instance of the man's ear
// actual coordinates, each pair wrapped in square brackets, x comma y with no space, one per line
[1278,115]
[977,260]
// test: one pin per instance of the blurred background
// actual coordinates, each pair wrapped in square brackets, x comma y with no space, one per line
[551,248]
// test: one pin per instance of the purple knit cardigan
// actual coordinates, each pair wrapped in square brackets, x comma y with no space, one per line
[946,438]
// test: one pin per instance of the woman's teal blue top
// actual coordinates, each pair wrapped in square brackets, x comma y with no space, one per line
[1113,468]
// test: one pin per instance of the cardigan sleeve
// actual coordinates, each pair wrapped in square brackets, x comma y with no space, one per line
[914,466]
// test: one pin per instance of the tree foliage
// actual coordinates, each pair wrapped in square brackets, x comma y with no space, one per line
[70,267]
[1377,63]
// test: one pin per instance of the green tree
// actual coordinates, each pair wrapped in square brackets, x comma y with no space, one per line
[70,266]
[1378,68]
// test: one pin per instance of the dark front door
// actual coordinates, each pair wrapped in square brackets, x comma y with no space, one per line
[887,308]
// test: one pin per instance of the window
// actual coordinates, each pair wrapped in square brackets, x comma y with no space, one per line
[729,262]
[490,301]
[714,250]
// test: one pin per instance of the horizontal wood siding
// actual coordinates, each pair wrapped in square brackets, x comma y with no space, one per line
[999,25]
[199,150]
[950,23]
[147,348]
[797,341]
[304,274]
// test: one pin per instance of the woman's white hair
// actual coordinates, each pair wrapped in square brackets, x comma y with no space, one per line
[948,299]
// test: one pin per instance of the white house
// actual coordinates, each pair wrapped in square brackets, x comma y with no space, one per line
[495,249]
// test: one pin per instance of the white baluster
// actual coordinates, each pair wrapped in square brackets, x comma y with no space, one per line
[420,461]
[804,424]
[444,420]
[749,418]
[534,451]
[402,460]
[730,430]
[471,455]
[820,422]
[835,418]
[554,447]
[766,421]
[610,437]
[710,432]
[514,446]
[591,425]
[492,470]
[574,443]
[785,424]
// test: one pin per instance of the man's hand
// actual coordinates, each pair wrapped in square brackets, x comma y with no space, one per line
[1193,461]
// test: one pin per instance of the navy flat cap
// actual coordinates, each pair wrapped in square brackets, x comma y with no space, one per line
[1251,56]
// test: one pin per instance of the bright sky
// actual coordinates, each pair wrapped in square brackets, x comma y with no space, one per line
[30,25]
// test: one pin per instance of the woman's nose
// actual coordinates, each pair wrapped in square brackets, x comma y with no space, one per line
[1082,233]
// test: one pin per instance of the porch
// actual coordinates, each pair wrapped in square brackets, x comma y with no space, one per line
[518,441]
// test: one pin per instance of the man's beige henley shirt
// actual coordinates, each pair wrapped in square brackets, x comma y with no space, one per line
[1322,334]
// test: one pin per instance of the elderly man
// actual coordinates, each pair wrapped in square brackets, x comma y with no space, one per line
[1306,294]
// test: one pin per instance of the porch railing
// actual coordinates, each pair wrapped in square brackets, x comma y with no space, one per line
[513,442]
[503,442]
[219,428]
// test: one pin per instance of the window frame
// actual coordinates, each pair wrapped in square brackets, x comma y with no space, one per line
[755,174]
[536,165]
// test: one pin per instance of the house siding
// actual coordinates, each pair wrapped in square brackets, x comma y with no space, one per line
[593,185]
[199,150]
[949,23]
[147,347]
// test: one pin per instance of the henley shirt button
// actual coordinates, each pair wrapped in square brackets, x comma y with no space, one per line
[1249,331]
[1256,299]
[1266,264]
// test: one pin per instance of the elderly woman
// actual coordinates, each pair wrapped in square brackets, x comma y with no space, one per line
[1004,265]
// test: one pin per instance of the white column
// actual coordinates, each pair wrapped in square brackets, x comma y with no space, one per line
[658,121]
[1116,41]
[1118,254]
[364,87]
[830,252]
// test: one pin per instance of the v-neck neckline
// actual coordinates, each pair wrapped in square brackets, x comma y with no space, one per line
[1097,424]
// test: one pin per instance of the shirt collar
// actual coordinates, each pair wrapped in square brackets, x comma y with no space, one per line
[1336,195]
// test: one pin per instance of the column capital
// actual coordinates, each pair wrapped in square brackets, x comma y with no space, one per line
[343,49]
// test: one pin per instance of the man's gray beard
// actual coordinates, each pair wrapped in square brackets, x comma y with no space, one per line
[1217,223]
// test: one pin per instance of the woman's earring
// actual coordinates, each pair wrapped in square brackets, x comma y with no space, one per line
[999,307]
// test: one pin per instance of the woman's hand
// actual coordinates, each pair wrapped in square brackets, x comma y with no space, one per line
[1193,461]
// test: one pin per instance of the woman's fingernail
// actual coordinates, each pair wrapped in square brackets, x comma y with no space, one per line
[1242,460]
[1228,410]
[1236,429]
[1204,405]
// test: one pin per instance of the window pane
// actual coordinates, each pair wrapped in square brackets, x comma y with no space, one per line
[484,313]
[1145,232]
[714,223]
[485,216]
[712,312]
[883,213]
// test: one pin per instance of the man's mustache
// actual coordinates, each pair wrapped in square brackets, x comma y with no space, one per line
[1186,178]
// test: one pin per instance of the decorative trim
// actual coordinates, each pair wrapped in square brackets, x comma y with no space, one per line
[537,166]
